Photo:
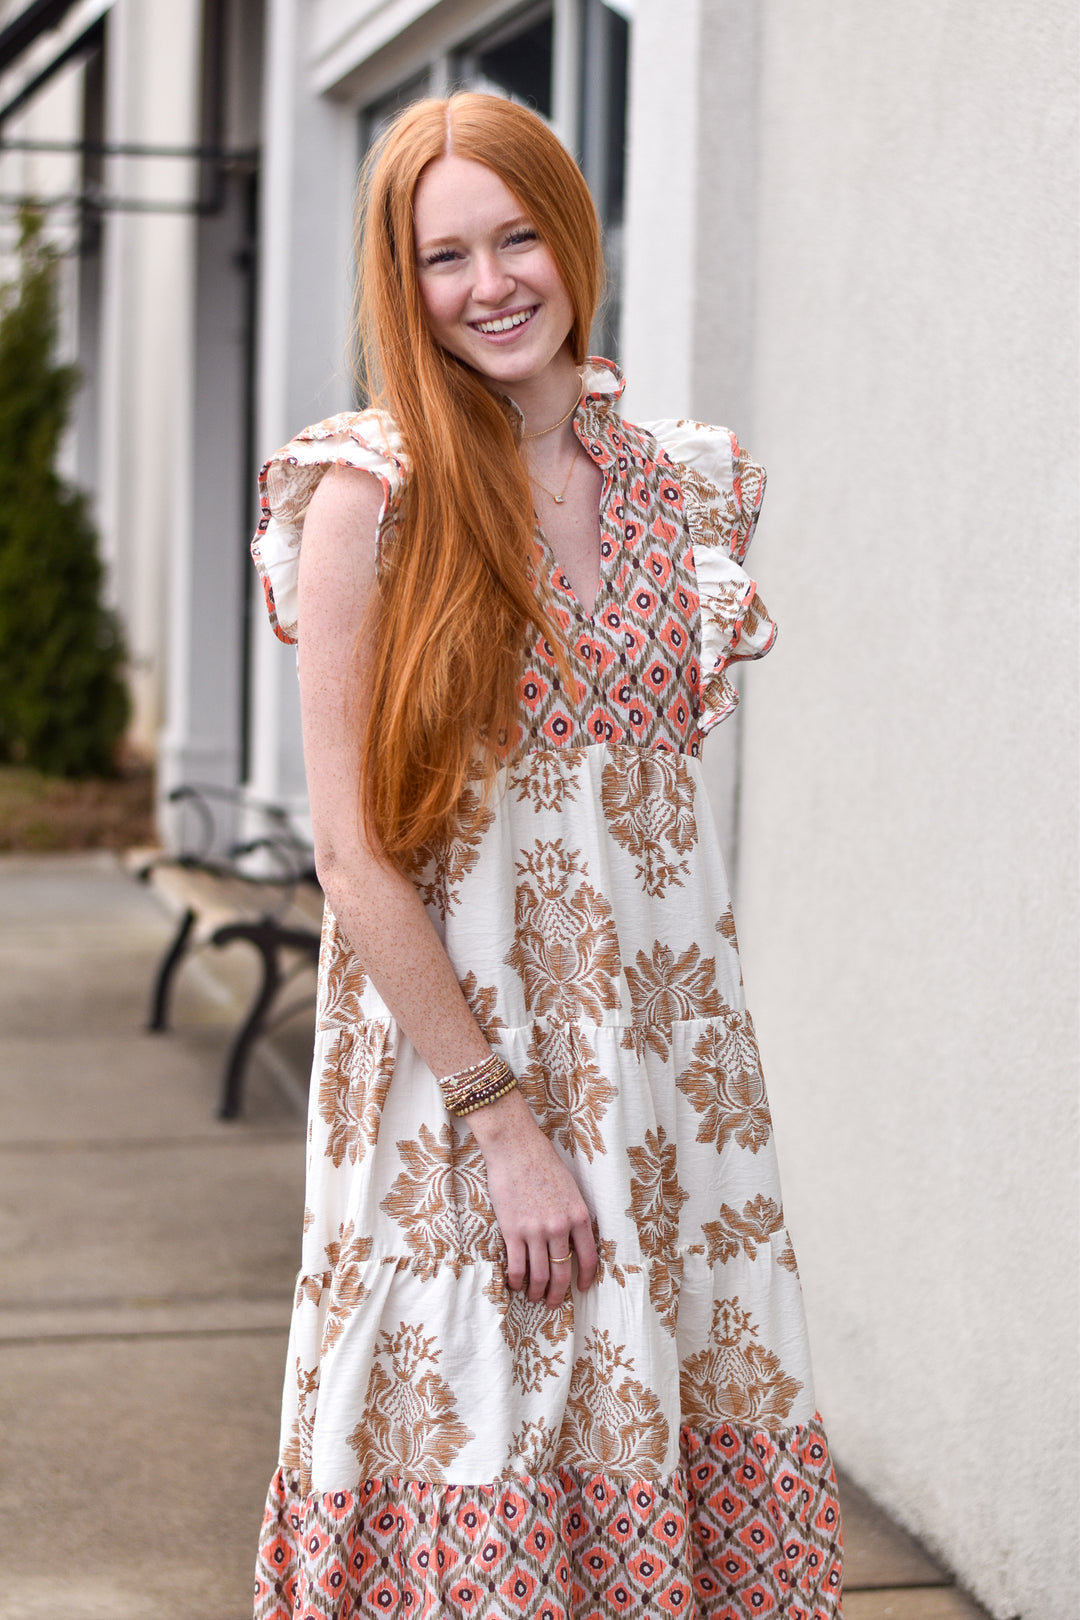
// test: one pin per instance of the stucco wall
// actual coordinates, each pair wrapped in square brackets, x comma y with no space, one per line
[909,801]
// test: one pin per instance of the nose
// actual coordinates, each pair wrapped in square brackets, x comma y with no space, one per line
[491,282]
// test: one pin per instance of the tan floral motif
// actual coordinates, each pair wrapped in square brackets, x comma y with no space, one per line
[724,606]
[726,928]
[760,1218]
[342,979]
[357,1070]
[735,1378]
[440,1201]
[788,1260]
[297,1451]
[648,799]
[614,1425]
[528,1326]
[723,517]
[293,488]
[754,617]
[608,1266]
[547,778]
[483,999]
[410,1425]
[347,1287]
[310,1286]
[656,1199]
[531,1448]
[719,693]
[665,988]
[724,1084]
[712,513]
[565,947]
[565,1089]
[442,868]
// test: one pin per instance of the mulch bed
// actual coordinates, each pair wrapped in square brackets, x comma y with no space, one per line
[41,814]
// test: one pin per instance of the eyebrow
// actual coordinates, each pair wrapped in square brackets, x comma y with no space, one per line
[445,241]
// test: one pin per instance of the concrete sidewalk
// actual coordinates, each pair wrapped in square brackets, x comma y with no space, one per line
[147,1258]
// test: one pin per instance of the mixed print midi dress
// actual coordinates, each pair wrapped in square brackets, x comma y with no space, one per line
[651,1448]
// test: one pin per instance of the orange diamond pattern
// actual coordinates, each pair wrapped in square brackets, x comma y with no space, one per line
[749,1525]
[635,655]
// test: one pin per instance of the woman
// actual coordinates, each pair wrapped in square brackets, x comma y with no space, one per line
[548,1355]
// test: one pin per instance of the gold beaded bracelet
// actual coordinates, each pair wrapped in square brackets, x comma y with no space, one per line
[478,1085]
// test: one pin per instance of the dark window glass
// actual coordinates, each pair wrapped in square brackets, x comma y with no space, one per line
[521,65]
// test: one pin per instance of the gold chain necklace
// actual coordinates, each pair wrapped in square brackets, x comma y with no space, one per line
[542,433]
[558,499]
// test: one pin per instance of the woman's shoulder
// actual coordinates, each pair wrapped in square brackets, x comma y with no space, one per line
[369,441]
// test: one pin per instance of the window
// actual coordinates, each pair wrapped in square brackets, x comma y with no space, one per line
[514,61]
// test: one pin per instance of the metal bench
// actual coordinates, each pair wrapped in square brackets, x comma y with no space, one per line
[278,911]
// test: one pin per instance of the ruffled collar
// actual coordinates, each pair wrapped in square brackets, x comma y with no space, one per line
[602,381]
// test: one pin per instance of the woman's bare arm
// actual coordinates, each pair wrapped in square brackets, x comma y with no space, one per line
[537,1202]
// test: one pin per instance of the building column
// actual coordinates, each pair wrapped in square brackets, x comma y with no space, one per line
[310,161]
[151,95]
[210,569]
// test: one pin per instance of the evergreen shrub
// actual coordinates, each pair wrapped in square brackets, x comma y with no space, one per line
[64,705]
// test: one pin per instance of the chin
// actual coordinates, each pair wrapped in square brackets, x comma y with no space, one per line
[511,368]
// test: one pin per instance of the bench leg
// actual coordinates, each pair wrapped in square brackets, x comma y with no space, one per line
[265,942]
[159,1001]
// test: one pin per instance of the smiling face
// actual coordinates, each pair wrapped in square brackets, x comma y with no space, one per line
[491,289]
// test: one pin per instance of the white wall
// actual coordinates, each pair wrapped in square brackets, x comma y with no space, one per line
[687,339]
[909,802]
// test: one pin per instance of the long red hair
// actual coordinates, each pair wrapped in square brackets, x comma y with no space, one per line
[456,599]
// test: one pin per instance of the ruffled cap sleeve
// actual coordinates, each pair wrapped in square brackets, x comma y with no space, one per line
[722,490]
[368,440]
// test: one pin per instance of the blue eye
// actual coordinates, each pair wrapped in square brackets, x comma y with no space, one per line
[525,234]
[440,256]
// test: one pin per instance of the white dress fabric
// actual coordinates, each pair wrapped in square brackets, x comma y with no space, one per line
[449,1448]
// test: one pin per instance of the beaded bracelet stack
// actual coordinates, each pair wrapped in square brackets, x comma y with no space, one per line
[475,1087]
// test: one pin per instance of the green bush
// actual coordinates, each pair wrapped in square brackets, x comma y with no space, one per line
[63,702]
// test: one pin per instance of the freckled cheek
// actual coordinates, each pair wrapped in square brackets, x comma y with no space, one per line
[441,311]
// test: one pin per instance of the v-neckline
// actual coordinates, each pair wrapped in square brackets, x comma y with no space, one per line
[556,570]
[555,567]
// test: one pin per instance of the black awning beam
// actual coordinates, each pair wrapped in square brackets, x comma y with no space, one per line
[141,149]
[90,201]
[24,29]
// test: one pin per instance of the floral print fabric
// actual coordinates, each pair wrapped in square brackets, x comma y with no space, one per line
[449,1448]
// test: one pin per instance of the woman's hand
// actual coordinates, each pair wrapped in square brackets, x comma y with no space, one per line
[537,1202]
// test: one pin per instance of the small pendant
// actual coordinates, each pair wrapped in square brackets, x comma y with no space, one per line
[558,499]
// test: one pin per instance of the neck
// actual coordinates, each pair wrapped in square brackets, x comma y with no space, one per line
[542,400]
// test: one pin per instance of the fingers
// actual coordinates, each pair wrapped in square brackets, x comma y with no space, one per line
[560,1274]
[517,1256]
[585,1249]
[539,1268]
[551,1270]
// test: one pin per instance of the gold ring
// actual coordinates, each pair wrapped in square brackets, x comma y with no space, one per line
[560,1259]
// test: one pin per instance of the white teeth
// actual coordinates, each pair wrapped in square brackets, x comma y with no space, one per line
[505,323]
